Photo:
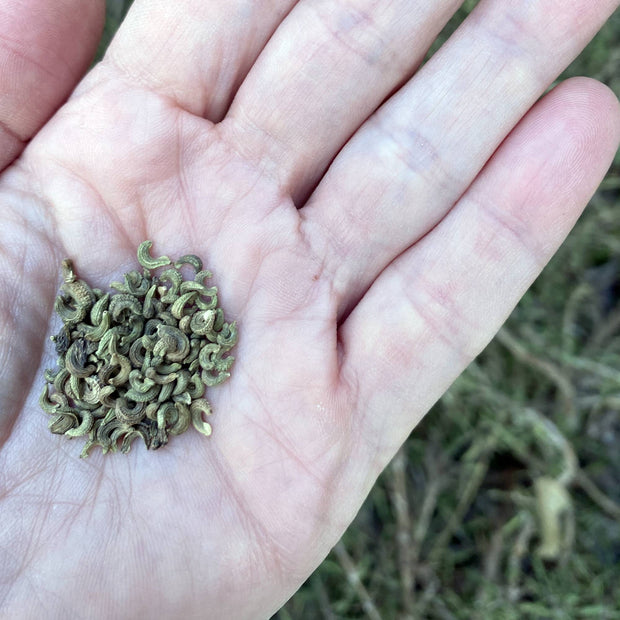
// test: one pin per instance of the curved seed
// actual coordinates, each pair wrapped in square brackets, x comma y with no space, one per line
[172,343]
[147,261]
[183,420]
[184,323]
[84,427]
[198,409]
[68,272]
[91,393]
[136,283]
[129,438]
[106,398]
[139,382]
[202,322]
[194,350]
[157,438]
[77,291]
[174,278]
[195,387]
[50,375]
[221,363]
[205,358]
[129,415]
[103,432]
[208,299]
[143,397]
[61,377]
[203,275]
[184,398]
[44,401]
[166,369]
[137,329]
[95,334]
[151,411]
[167,415]
[68,313]
[62,340]
[189,259]
[98,310]
[81,294]
[117,361]
[150,327]
[62,422]
[190,286]
[61,400]
[137,352]
[123,303]
[165,392]
[89,445]
[227,338]
[178,307]
[182,379]
[211,380]
[167,318]
[150,305]
[153,376]
[76,359]
[107,345]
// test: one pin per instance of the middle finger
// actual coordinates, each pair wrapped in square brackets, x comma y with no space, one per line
[327,68]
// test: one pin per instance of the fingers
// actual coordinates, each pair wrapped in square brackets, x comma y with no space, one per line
[434,309]
[45,47]
[195,52]
[325,71]
[407,166]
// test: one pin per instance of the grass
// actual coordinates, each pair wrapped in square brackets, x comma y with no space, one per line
[504,503]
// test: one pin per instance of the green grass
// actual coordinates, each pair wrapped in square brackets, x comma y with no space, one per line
[456,527]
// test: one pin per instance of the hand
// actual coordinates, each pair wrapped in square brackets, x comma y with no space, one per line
[368,252]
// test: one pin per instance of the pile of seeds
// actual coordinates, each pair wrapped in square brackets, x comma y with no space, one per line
[136,363]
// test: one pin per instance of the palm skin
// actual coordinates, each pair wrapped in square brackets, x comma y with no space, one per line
[226,510]
[227,526]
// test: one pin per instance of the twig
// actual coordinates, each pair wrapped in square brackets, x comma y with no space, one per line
[423,522]
[515,559]
[355,582]
[551,371]
[579,294]
[322,597]
[580,363]
[398,496]
[597,496]
[478,472]
[431,586]
[604,331]
[491,563]
[556,438]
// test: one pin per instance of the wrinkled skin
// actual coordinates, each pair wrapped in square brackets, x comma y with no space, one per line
[364,277]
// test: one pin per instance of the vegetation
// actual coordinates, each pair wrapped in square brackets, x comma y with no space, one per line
[504,503]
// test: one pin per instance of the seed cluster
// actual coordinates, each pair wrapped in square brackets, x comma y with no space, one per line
[136,363]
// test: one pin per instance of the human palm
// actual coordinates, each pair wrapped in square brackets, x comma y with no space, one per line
[362,287]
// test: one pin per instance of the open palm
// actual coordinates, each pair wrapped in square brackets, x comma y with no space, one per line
[364,277]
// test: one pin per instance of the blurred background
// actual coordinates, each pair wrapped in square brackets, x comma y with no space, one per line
[505,502]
